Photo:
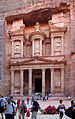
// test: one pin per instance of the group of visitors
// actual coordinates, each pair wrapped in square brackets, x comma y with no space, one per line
[9,107]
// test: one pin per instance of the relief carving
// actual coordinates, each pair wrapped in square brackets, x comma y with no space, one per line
[37,47]
[17,48]
[57,46]
[57,80]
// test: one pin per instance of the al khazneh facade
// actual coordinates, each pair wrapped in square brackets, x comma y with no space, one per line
[38,47]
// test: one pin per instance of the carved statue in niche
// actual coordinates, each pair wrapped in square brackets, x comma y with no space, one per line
[37,27]
[57,46]
[57,80]
[37,47]
[17,48]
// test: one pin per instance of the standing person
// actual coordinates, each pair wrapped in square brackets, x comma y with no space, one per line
[70,112]
[9,112]
[18,103]
[35,108]
[61,109]
[13,101]
[22,109]
[28,101]
[3,103]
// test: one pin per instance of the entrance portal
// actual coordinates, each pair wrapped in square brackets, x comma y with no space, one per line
[38,85]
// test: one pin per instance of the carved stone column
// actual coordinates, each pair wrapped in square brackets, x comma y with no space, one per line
[43,81]
[52,51]
[33,48]
[12,48]
[12,82]
[21,48]
[62,80]
[21,83]
[40,47]
[30,81]
[52,80]
[62,44]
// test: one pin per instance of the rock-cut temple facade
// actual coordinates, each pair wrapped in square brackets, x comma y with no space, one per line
[37,47]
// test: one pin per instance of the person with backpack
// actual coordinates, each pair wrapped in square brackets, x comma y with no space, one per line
[34,109]
[9,112]
[13,101]
[22,109]
[61,109]
[3,103]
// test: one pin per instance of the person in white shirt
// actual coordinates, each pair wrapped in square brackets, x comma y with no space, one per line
[9,112]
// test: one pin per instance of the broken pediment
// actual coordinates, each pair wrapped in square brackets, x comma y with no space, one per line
[17,32]
[54,28]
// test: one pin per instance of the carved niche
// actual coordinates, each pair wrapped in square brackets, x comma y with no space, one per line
[57,80]
[17,48]
[37,47]
[37,37]
[57,46]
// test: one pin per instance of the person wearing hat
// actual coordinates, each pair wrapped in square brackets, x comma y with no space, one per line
[9,109]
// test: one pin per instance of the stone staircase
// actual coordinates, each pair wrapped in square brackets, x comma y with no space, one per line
[56,96]
[59,96]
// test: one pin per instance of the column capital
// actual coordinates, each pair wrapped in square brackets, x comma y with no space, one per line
[43,69]
[30,69]
[52,68]
[21,69]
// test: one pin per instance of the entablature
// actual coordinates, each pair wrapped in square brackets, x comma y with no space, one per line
[38,60]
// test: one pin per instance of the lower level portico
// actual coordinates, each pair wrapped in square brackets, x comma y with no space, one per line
[25,81]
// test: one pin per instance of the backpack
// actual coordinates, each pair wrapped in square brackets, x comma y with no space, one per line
[14,112]
[1,108]
[0,103]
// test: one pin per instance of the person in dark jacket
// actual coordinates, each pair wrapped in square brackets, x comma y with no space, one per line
[61,109]
[35,107]
[70,112]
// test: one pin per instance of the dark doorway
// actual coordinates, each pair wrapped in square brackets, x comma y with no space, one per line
[38,85]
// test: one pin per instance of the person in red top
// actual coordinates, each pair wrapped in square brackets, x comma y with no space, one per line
[18,103]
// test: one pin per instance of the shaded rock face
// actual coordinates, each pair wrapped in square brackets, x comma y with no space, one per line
[60,12]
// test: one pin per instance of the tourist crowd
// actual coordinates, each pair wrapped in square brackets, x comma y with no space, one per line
[9,107]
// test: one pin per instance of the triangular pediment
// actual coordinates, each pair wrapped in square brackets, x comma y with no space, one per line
[35,60]
[38,60]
